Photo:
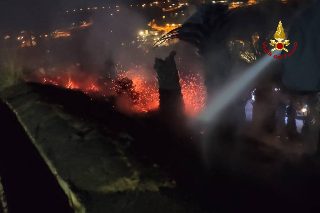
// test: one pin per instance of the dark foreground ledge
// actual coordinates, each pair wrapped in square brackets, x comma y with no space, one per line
[93,170]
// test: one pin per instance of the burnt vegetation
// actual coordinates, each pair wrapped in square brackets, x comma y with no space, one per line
[259,166]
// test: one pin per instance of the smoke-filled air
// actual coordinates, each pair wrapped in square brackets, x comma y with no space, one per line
[159,106]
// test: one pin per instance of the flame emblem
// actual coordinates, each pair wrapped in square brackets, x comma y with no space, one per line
[279,43]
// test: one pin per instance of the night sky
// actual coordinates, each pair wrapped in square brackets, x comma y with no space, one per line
[40,14]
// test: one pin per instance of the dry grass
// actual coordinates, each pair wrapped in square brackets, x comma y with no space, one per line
[10,74]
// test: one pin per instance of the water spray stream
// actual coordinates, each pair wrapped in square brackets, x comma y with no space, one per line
[228,93]
[231,90]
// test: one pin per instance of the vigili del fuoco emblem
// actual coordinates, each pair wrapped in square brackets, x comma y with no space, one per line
[279,43]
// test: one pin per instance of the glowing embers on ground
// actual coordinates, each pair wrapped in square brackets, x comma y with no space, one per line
[92,87]
[145,93]
[67,81]
[49,81]
[141,88]
[136,90]
[194,93]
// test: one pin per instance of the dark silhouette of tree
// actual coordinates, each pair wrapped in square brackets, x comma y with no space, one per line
[212,28]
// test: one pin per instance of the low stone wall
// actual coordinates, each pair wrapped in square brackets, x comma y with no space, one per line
[94,171]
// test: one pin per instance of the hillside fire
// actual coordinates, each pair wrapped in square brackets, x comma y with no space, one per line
[137,92]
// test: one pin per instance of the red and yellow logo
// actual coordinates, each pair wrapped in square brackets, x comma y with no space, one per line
[279,43]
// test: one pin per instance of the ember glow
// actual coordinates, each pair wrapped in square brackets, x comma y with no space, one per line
[148,94]
[92,88]
[144,92]
[49,81]
[71,85]
[136,88]
[194,93]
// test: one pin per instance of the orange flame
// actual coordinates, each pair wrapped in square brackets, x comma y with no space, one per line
[71,85]
[143,91]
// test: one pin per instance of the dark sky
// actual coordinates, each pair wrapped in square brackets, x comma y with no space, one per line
[39,14]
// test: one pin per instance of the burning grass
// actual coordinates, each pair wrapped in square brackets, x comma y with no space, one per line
[136,90]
